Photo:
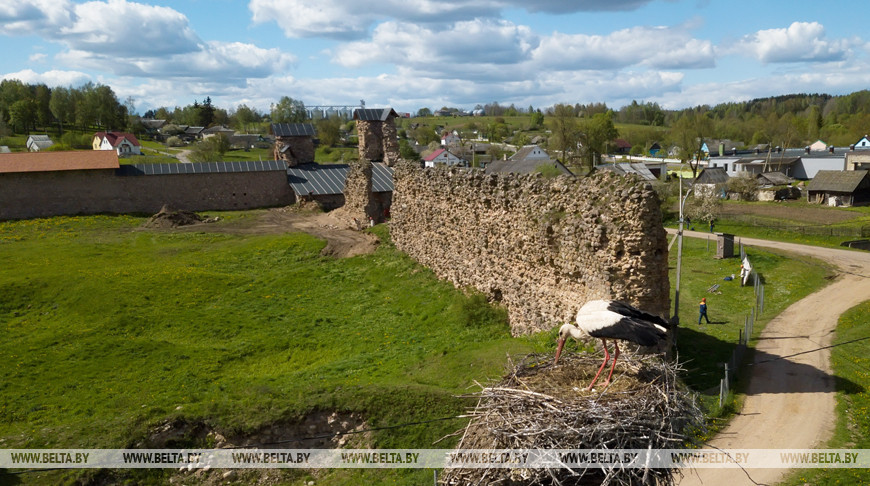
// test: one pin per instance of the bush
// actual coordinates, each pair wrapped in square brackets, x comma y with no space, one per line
[174,142]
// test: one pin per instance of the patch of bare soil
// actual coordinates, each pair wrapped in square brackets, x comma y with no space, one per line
[169,218]
[796,212]
[341,241]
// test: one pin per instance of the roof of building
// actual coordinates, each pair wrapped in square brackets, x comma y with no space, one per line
[773,178]
[530,152]
[39,138]
[775,160]
[712,175]
[293,130]
[838,180]
[115,138]
[374,114]
[329,179]
[621,143]
[629,168]
[434,154]
[58,161]
[193,130]
[152,123]
[41,144]
[202,168]
[524,166]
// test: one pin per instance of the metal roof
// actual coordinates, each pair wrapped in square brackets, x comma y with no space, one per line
[839,180]
[374,114]
[293,129]
[202,168]
[324,180]
[629,168]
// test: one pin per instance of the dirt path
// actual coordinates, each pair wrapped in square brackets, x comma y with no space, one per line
[791,398]
[341,241]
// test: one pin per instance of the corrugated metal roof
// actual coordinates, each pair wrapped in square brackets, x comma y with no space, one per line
[325,180]
[373,114]
[202,168]
[838,180]
[629,168]
[293,129]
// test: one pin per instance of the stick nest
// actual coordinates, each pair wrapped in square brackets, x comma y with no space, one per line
[541,406]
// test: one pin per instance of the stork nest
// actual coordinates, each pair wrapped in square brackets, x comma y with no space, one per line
[541,406]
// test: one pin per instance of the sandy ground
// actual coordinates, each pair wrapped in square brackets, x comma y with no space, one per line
[341,241]
[791,397]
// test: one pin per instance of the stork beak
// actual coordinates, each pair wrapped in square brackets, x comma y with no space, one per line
[559,350]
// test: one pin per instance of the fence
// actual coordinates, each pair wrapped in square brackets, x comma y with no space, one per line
[733,364]
[806,229]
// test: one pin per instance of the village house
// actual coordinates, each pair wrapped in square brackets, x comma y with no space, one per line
[123,144]
[840,188]
[711,180]
[442,157]
[527,160]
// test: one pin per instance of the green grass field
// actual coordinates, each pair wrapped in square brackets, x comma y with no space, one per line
[110,330]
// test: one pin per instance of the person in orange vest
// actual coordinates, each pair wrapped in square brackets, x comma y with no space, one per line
[702,311]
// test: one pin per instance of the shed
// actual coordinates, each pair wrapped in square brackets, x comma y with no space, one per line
[840,188]
[624,168]
[768,179]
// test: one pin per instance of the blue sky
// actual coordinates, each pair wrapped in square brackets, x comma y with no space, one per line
[410,54]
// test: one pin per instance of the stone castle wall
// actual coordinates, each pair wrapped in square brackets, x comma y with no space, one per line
[301,150]
[541,247]
[378,141]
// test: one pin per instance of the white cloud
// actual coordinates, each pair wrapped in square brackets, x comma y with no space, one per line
[800,42]
[37,57]
[465,46]
[49,78]
[656,47]
[28,17]
[228,62]
[348,19]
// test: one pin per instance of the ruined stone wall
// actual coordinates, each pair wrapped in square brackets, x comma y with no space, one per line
[542,247]
[301,150]
[360,203]
[378,141]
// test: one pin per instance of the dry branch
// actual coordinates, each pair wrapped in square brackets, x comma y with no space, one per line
[541,406]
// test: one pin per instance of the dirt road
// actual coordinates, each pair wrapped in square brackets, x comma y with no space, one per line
[790,399]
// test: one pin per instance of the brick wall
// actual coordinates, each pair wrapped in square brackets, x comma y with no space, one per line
[42,194]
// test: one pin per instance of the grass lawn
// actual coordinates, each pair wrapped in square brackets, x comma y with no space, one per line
[851,361]
[704,348]
[110,331]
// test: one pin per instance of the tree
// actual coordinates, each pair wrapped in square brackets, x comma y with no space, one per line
[704,207]
[62,106]
[329,130]
[205,113]
[598,133]
[406,151]
[745,185]
[689,133]
[23,113]
[537,120]
[563,124]
[244,117]
[42,98]
[424,112]
[288,110]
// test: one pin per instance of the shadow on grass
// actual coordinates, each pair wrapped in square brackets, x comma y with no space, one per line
[8,479]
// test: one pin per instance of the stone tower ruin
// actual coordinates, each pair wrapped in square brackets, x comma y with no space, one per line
[294,143]
[378,138]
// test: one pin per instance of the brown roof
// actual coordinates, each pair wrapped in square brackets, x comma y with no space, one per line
[53,161]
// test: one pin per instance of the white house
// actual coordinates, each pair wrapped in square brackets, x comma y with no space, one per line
[442,156]
[122,143]
[451,138]
[863,143]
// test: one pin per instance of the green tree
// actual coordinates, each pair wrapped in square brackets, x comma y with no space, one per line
[62,106]
[42,98]
[288,110]
[689,134]
[406,151]
[566,134]
[22,114]
[244,117]
[537,120]
[598,132]
[424,112]
[329,130]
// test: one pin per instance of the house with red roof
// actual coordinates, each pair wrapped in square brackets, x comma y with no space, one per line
[443,157]
[122,143]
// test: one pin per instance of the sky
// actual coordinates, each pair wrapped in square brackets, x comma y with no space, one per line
[410,54]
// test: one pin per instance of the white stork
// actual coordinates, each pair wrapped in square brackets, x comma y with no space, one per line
[610,319]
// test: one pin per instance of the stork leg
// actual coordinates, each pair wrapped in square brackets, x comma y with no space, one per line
[606,359]
[615,356]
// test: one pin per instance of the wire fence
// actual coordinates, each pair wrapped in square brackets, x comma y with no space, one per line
[862,231]
[745,334]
